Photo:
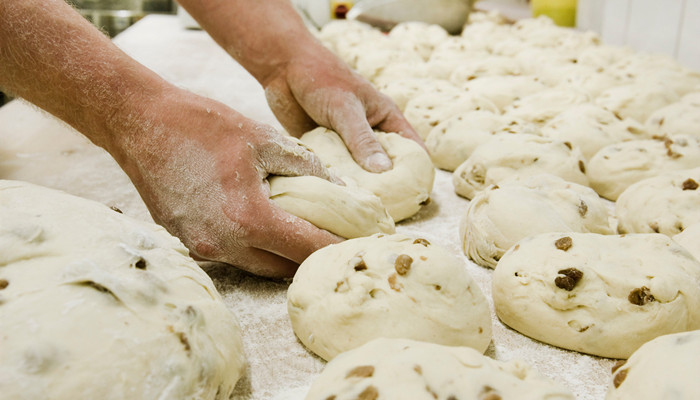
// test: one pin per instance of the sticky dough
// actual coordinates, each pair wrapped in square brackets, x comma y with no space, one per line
[96,305]
[403,189]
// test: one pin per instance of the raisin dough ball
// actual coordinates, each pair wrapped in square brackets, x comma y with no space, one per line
[347,294]
[665,204]
[348,211]
[425,36]
[542,106]
[408,369]
[590,128]
[404,89]
[505,156]
[690,239]
[96,305]
[615,167]
[681,118]
[664,368]
[500,216]
[636,101]
[599,294]
[502,91]
[402,189]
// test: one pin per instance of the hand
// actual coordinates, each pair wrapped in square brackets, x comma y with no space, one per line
[201,168]
[316,88]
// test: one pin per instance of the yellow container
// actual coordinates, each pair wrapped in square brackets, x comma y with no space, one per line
[562,12]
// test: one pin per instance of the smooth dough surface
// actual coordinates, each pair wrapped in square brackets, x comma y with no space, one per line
[680,118]
[402,189]
[636,100]
[348,211]
[544,105]
[347,294]
[617,166]
[500,216]
[666,204]
[408,369]
[96,305]
[506,156]
[690,239]
[664,368]
[598,294]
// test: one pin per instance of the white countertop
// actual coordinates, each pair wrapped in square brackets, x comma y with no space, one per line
[35,147]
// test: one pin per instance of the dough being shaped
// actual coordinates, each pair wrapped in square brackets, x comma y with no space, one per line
[500,216]
[425,111]
[403,189]
[681,118]
[506,155]
[408,369]
[636,100]
[666,204]
[690,239]
[542,106]
[348,211]
[347,294]
[96,305]
[504,90]
[664,368]
[615,167]
[590,128]
[452,141]
[599,294]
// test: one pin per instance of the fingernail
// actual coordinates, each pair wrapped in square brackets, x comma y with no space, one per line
[378,162]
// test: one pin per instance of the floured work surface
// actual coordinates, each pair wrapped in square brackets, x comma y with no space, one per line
[37,148]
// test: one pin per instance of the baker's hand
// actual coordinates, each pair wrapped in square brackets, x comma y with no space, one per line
[316,88]
[201,168]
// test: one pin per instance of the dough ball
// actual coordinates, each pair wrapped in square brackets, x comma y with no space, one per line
[664,368]
[97,305]
[505,156]
[451,53]
[591,80]
[347,294]
[402,90]
[370,58]
[636,101]
[681,118]
[590,128]
[402,189]
[690,239]
[542,106]
[452,141]
[500,216]
[615,167]
[666,204]
[348,211]
[502,91]
[425,36]
[407,369]
[599,294]
[484,66]
[425,111]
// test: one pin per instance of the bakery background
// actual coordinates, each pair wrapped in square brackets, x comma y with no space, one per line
[42,150]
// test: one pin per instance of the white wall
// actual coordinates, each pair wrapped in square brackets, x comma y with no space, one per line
[660,26]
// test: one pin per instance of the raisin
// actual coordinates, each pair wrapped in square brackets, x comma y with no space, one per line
[582,208]
[422,241]
[393,284]
[418,369]
[619,378]
[564,243]
[568,278]
[370,393]
[582,166]
[4,283]
[140,264]
[363,371]
[690,184]
[617,365]
[640,296]
[567,144]
[116,209]
[403,264]
[360,266]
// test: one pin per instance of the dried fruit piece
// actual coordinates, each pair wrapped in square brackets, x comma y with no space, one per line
[640,296]
[140,264]
[568,278]
[393,284]
[564,243]
[619,378]
[690,184]
[422,241]
[363,371]
[617,365]
[403,264]
[582,166]
[582,208]
[370,393]
[4,283]
[360,266]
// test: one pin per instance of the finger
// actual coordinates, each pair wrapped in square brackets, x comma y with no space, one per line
[287,110]
[263,263]
[351,124]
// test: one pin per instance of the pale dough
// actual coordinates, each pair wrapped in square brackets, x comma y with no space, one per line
[348,211]
[542,106]
[599,294]
[347,294]
[690,239]
[666,204]
[506,155]
[617,166]
[408,369]
[504,90]
[635,100]
[590,127]
[500,216]
[664,368]
[681,118]
[96,305]
[404,89]
[402,189]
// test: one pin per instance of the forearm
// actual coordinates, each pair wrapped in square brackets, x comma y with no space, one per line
[54,58]
[261,35]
